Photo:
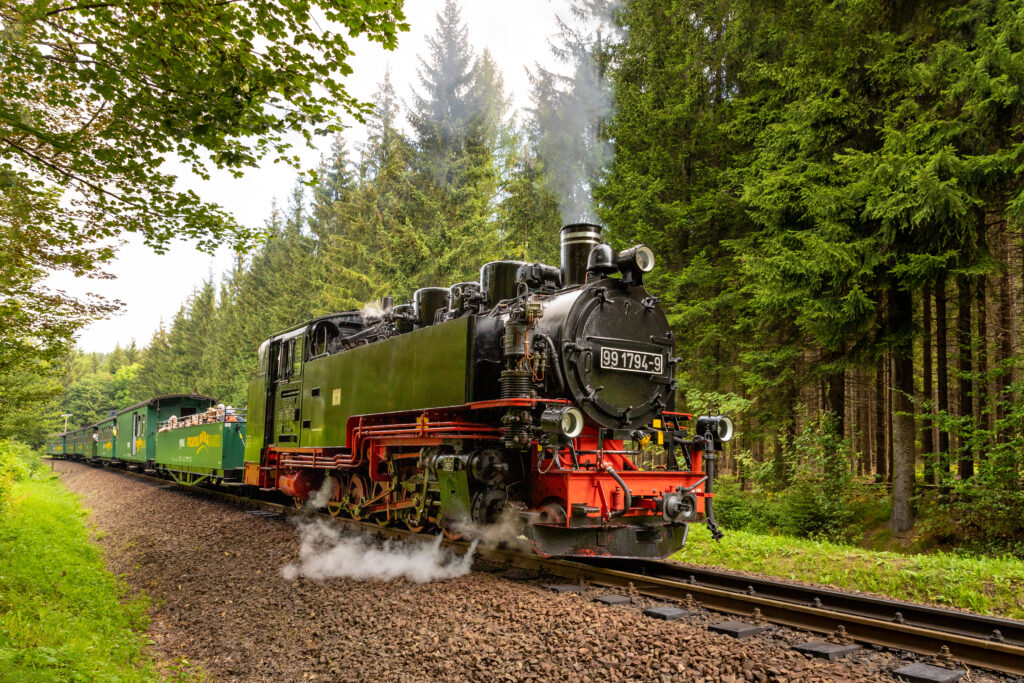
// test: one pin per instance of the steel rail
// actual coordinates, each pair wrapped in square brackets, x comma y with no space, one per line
[981,641]
[963,623]
[1005,657]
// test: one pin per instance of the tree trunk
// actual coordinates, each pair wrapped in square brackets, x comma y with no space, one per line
[942,375]
[864,424]
[981,408]
[881,457]
[1005,331]
[900,307]
[888,416]
[835,400]
[963,287]
[927,390]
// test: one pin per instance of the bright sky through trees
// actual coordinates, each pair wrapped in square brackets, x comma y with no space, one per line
[153,286]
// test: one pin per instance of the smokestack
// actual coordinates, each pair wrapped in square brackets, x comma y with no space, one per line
[577,241]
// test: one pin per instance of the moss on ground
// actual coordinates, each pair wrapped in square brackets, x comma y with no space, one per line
[981,584]
[63,617]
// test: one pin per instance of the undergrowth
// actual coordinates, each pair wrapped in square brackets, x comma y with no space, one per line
[986,585]
[63,617]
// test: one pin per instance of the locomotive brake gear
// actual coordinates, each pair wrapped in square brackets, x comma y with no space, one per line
[627,501]
[490,466]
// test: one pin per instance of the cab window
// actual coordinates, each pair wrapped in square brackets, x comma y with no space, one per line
[263,356]
[284,360]
[289,358]
[296,356]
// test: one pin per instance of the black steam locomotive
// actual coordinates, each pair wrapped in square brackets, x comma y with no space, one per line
[539,395]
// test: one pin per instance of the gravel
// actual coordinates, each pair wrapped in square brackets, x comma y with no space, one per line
[220,605]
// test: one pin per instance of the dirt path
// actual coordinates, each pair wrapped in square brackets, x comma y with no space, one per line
[219,601]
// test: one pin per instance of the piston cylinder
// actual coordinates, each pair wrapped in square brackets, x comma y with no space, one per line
[298,484]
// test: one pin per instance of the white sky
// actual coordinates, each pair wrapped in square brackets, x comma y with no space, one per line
[154,286]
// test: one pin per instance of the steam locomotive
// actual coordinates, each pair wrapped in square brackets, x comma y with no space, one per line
[538,395]
[538,398]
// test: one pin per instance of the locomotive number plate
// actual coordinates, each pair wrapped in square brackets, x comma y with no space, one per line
[632,361]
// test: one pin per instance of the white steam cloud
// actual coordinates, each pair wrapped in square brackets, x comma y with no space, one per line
[572,108]
[322,497]
[326,553]
[506,531]
[371,312]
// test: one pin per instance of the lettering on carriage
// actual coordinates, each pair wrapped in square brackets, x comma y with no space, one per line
[336,397]
[204,440]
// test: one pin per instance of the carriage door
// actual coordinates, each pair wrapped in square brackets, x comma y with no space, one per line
[134,436]
[288,389]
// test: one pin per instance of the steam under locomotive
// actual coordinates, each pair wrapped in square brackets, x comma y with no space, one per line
[537,397]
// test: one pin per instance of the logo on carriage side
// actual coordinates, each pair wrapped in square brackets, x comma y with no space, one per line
[204,440]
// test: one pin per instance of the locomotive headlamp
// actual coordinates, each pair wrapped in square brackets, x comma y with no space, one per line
[565,421]
[719,425]
[639,258]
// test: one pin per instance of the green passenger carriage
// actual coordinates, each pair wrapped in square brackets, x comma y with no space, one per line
[137,425]
[104,437]
[55,445]
[76,443]
[209,447]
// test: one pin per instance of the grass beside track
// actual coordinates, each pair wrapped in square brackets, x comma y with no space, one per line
[63,617]
[992,586]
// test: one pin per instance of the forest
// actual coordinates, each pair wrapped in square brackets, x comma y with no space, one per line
[834,193]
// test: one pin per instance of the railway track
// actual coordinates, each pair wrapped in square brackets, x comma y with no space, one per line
[979,641]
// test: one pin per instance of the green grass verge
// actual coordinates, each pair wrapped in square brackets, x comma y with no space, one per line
[981,584]
[63,617]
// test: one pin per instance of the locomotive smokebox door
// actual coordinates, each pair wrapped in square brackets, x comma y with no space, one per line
[618,354]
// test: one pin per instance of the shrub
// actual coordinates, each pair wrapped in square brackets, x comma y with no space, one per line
[987,509]
[754,511]
[17,462]
[818,501]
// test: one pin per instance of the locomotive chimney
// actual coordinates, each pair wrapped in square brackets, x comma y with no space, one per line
[577,241]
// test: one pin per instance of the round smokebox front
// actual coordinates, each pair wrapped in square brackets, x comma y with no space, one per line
[617,355]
